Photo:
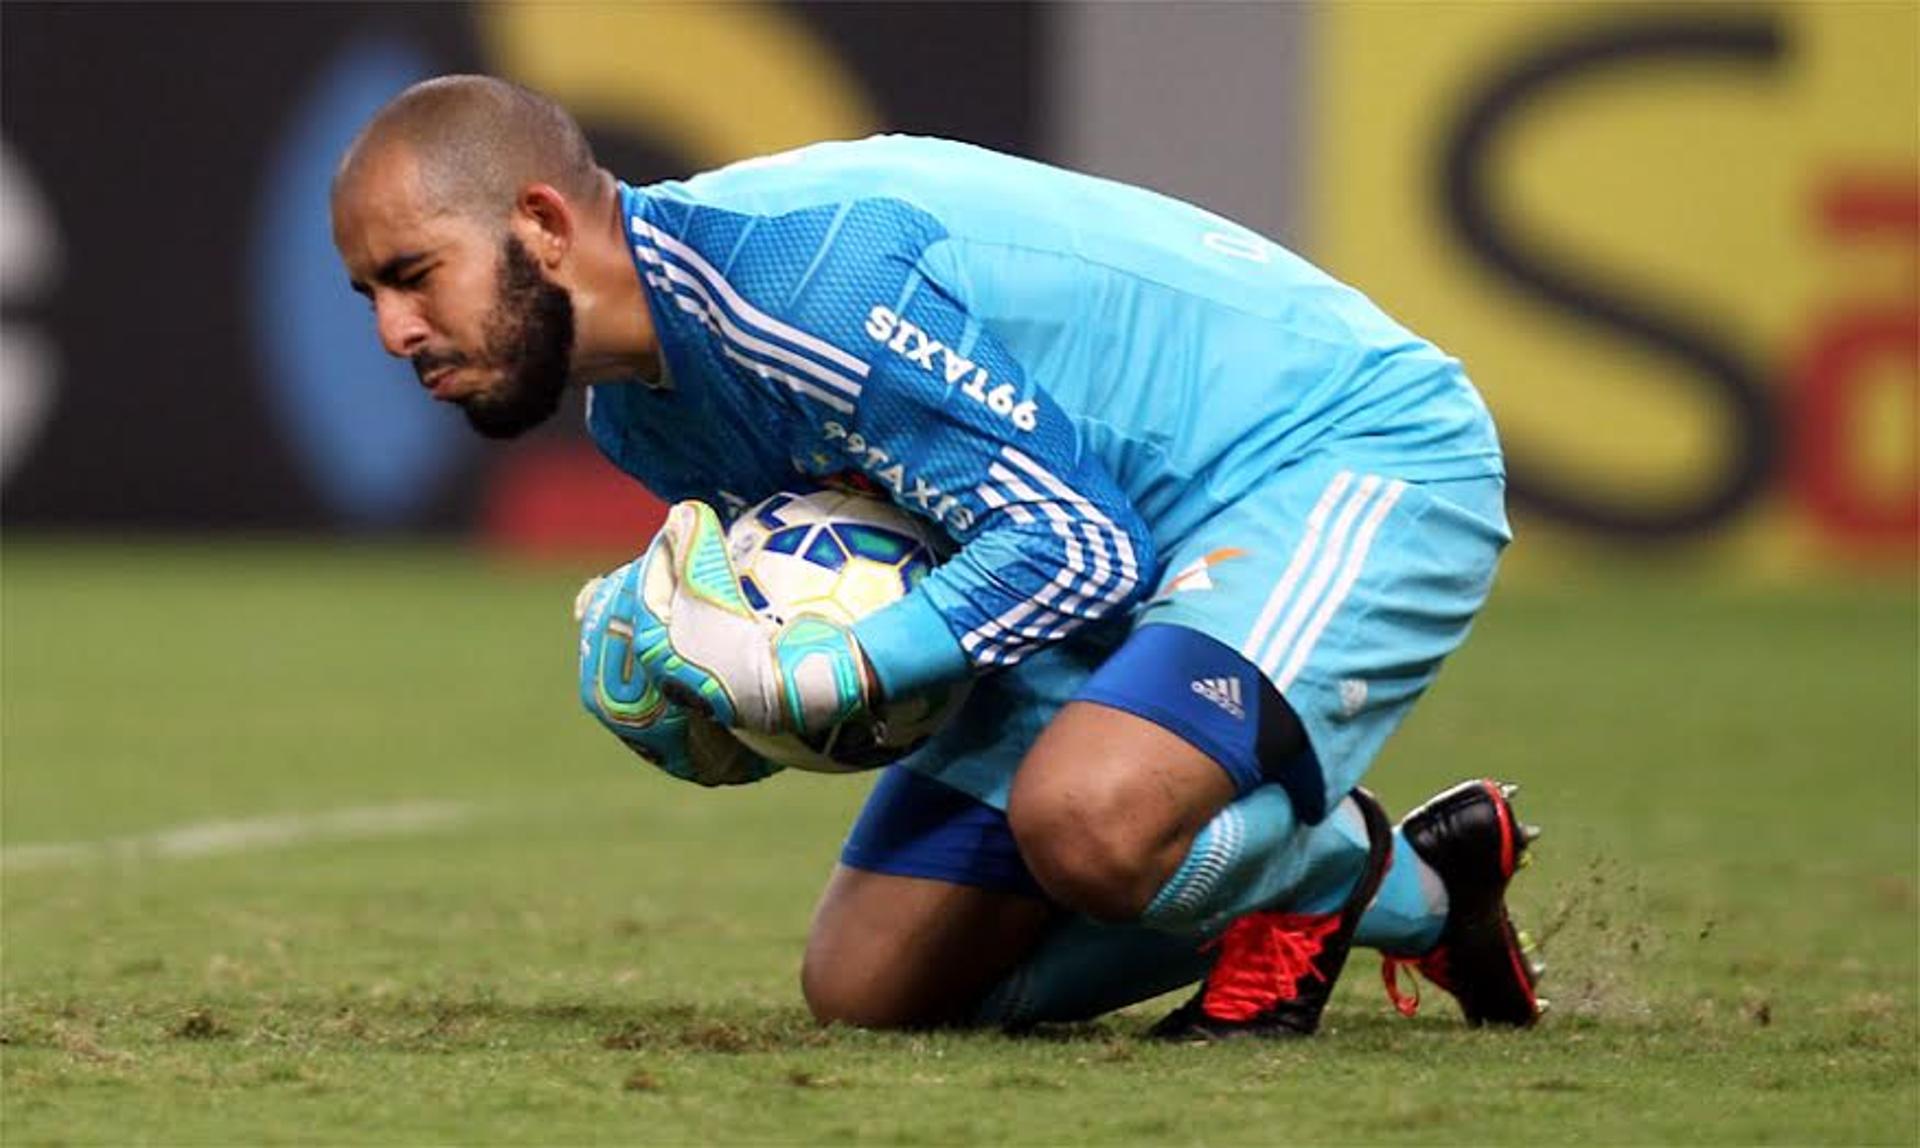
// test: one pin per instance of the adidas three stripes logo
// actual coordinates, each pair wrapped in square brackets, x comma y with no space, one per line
[1222,692]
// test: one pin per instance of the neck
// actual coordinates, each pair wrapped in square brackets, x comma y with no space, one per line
[614,336]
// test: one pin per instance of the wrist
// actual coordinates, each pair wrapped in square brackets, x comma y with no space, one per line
[908,648]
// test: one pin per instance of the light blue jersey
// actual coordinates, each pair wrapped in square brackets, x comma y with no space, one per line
[1072,377]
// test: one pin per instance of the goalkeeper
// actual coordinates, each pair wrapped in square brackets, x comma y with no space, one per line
[1218,521]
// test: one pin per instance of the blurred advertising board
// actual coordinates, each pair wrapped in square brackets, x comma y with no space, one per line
[1677,246]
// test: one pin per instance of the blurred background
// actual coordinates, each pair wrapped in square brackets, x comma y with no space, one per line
[1678,247]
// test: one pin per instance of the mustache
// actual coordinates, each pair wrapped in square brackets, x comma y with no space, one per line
[426,362]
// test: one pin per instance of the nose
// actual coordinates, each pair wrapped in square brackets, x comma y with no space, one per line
[403,330]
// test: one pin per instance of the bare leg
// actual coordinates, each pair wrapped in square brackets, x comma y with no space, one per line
[908,952]
[1106,805]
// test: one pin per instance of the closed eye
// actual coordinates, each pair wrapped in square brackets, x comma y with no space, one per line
[405,271]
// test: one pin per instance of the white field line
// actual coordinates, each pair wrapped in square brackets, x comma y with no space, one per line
[208,838]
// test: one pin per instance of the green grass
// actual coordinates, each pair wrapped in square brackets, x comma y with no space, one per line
[592,953]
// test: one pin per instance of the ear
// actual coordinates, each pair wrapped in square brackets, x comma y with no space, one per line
[544,222]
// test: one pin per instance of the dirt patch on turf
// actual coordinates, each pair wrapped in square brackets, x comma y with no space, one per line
[80,1041]
[686,1028]
[1025,1082]
[641,1080]
[800,1078]
[1893,894]
[198,1024]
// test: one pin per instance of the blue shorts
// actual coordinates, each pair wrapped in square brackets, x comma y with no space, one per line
[1342,591]
[913,826]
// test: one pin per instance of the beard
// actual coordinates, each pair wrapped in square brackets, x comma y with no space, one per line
[529,337]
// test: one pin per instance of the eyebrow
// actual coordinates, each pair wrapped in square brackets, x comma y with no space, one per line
[388,274]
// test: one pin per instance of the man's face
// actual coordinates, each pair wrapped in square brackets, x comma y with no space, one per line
[466,304]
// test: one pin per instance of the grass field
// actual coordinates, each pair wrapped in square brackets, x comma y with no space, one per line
[309,844]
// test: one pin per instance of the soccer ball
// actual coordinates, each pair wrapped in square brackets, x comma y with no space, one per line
[840,556]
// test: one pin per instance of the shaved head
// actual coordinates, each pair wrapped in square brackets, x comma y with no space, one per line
[474,143]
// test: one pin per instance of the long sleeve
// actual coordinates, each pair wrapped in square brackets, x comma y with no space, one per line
[950,424]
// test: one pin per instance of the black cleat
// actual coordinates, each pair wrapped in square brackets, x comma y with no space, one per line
[1276,970]
[1475,842]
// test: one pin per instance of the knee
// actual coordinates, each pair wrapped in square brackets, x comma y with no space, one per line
[1086,853]
[838,994]
[1105,806]
[836,999]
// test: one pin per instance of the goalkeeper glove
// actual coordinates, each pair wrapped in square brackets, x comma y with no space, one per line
[615,689]
[705,645]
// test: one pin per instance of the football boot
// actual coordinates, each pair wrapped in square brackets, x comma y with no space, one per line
[1475,842]
[1276,970]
